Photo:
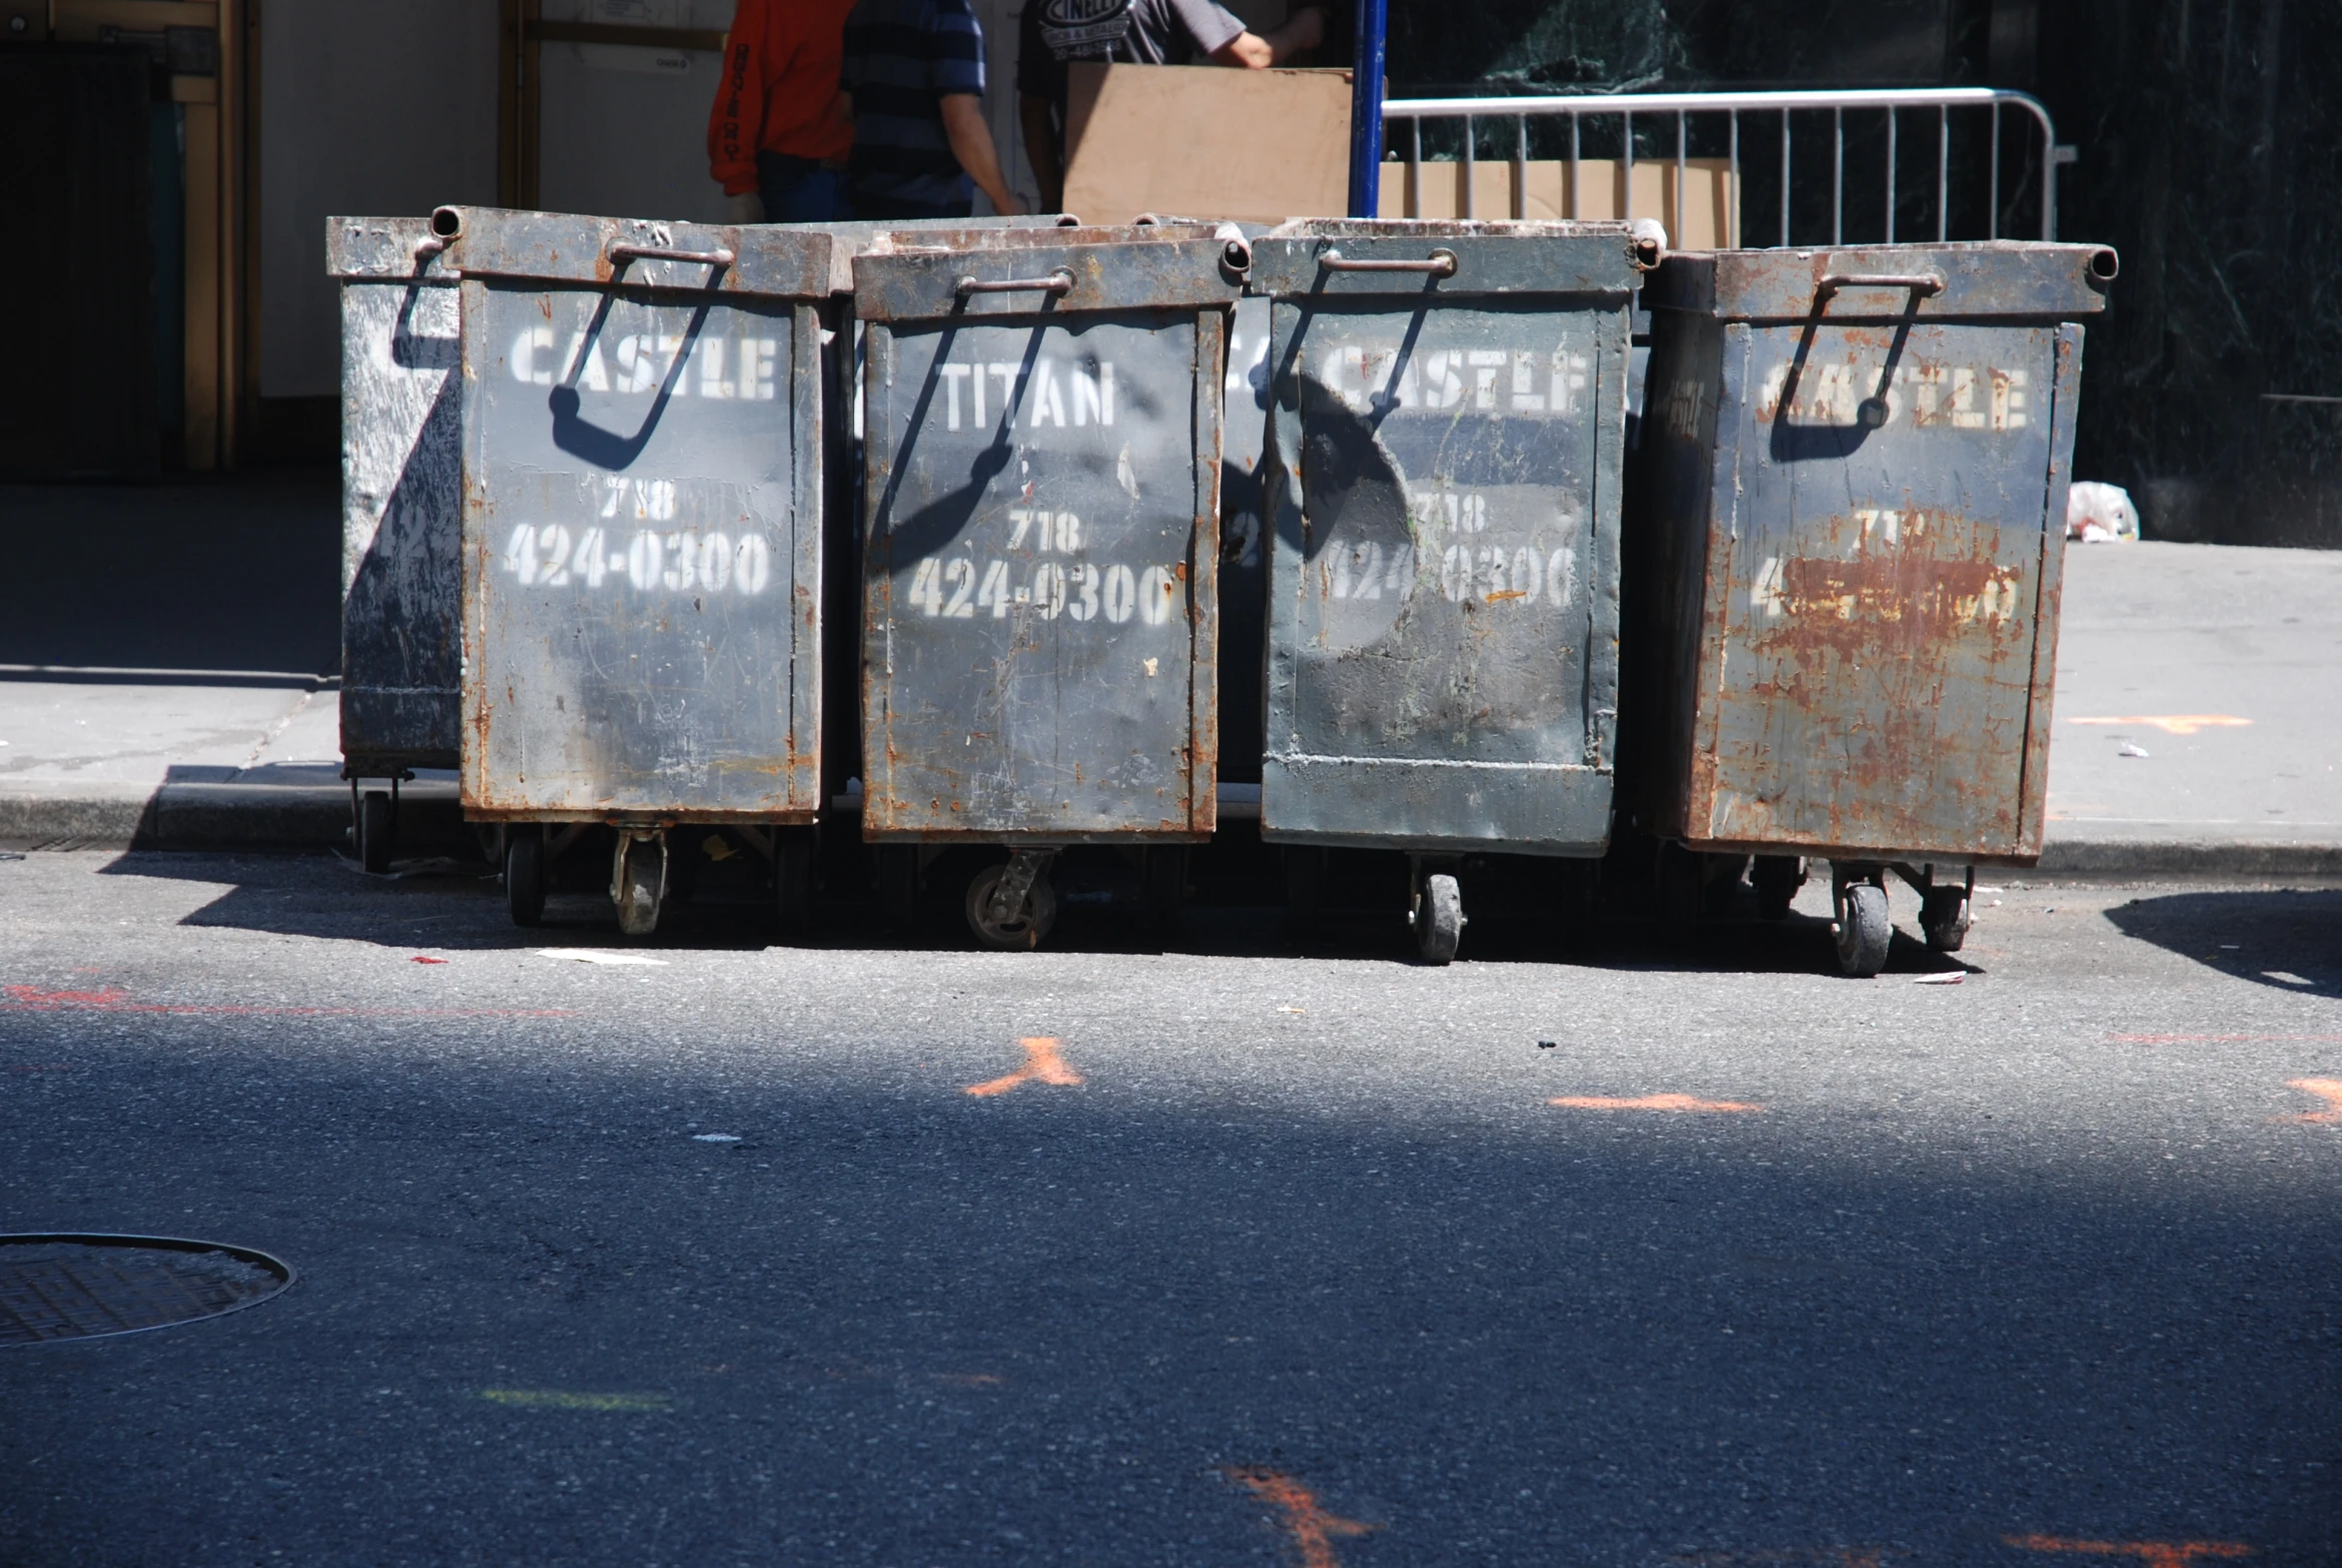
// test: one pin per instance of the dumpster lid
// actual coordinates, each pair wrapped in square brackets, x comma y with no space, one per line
[385,248]
[855,236]
[490,242]
[2014,277]
[1445,257]
[925,275]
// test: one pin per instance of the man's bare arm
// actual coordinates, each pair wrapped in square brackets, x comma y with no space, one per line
[971,139]
[1305,29]
[1041,149]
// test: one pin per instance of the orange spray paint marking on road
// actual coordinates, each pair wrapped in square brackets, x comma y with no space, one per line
[1312,1527]
[2327,1089]
[2174,723]
[2156,1554]
[1649,1103]
[1043,1065]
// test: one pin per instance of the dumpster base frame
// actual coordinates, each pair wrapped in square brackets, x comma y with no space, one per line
[1551,809]
[1871,854]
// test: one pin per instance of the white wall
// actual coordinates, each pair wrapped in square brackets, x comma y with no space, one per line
[368,108]
[625,128]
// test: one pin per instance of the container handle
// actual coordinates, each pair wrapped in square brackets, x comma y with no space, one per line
[1059,282]
[1917,283]
[621,254]
[1439,263]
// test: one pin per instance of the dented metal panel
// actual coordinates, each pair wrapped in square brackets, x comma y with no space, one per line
[402,494]
[1443,478]
[1857,513]
[1042,447]
[641,531]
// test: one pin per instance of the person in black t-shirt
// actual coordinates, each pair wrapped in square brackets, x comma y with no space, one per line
[1056,33]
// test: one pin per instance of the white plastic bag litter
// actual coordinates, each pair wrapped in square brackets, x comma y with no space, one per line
[2097,513]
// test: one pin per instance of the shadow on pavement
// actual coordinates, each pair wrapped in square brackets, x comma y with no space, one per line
[459,903]
[2289,939]
[238,572]
[541,1322]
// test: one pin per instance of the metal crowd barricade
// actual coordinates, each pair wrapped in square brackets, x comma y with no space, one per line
[402,506]
[1444,487]
[1043,446]
[1681,114]
[642,553]
[1850,533]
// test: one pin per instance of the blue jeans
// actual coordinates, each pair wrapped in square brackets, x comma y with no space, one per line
[800,191]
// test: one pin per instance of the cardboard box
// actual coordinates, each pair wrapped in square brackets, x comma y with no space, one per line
[1206,142]
[1710,196]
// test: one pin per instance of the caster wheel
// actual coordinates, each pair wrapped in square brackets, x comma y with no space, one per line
[1778,877]
[1166,879]
[524,875]
[373,831]
[1439,918]
[1021,932]
[1862,929]
[793,879]
[643,883]
[1944,917]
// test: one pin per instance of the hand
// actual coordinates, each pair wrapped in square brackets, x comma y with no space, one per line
[1007,204]
[747,208]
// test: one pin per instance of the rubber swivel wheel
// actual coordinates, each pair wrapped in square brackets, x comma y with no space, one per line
[373,831]
[1439,918]
[793,879]
[1944,917]
[644,885]
[1862,929]
[524,875]
[1022,931]
[1778,877]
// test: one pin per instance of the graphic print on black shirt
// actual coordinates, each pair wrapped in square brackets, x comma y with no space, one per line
[1081,29]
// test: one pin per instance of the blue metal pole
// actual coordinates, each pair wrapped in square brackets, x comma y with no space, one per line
[1367,111]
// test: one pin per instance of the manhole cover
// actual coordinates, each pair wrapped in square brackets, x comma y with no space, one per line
[72,1287]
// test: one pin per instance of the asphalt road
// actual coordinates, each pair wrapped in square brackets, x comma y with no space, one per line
[1270,1258]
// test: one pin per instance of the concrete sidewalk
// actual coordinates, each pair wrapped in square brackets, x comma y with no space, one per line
[2213,661]
[2210,659]
[172,759]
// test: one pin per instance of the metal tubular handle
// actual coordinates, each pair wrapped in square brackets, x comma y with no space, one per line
[1439,263]
[1917,283]
[657,253]
[1059,282]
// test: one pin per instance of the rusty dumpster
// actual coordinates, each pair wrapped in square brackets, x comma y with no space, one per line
[641,541]
[1443,484]
[1848,540]
[1042,434]
[401,512]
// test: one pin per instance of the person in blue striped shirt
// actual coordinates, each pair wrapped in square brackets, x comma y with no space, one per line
[914,72]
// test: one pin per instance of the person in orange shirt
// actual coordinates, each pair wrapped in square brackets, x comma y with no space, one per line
[779,133]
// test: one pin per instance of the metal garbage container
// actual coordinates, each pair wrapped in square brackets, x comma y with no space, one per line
[1444,486]
[842,361]
[1042,448]
[402,513]
[1848,542]
[641,545]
